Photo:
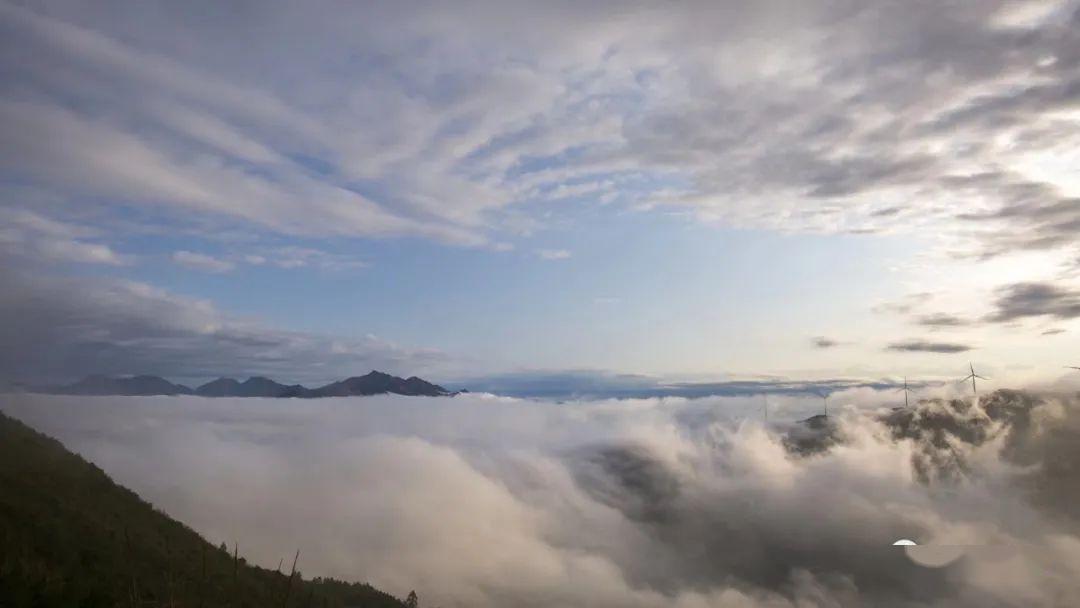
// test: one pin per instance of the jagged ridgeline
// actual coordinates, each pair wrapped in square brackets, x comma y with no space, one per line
[373,383]
[69,536]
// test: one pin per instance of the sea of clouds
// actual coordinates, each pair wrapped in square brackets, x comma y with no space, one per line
[479,500]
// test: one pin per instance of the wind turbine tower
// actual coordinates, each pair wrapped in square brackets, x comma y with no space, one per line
[906,390]
[825,400]
[972,376]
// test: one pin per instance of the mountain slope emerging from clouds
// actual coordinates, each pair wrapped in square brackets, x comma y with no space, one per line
[257,386]
[69,536]
[132,386]
[377,383]
[372,383]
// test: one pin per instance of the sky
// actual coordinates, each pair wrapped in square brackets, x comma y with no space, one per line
[501,192]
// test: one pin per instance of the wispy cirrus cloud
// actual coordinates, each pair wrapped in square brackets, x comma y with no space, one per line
[450,131]
[284,257]
[201,261]
[33,237]
[553,254]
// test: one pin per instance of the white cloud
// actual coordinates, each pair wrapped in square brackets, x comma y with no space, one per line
[306,257]
[286,257]
[34,237]
[769,115]
[201,261]
[484,501]
[553,254]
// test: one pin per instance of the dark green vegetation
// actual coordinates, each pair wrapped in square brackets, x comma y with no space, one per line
[71,537]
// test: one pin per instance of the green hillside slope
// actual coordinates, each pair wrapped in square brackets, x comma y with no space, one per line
[69,536]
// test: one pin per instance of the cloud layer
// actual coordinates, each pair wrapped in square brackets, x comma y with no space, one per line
[864,117]
[486,501]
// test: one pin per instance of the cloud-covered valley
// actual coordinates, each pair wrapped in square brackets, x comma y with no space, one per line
[479,500]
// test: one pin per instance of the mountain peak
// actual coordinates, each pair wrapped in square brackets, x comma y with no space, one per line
[374,382]
[378,383]
[142,385]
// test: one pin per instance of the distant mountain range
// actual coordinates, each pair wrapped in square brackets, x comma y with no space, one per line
[373,383]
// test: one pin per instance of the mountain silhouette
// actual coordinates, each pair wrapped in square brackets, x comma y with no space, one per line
[378,383]
[373,383]
[132,385]
[257,386]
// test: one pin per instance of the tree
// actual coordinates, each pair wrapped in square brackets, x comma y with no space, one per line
[412,601]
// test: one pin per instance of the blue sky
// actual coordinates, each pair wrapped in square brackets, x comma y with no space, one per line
[704,192]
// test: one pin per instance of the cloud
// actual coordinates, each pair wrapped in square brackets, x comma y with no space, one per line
[1053,332]
[466,125]
[601,384]
[33,237]
[823,342]
[640,503]
[905,305]
[291,257]
[71,327]
[1026,300]
[925,346]
[940,320]
[203,262]
[553,254]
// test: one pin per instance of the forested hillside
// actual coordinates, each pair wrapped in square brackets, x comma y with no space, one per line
[69,537]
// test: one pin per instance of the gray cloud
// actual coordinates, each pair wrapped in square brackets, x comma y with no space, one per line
[939,320]
[1025,300]
[823,342]
[460,123]
[641,503]
[71,327]
[926,346]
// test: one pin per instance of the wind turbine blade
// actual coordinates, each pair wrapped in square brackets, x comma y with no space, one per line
[981,378]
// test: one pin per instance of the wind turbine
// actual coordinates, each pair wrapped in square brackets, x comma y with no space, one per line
[906,390]
[972,376]
[825,398]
